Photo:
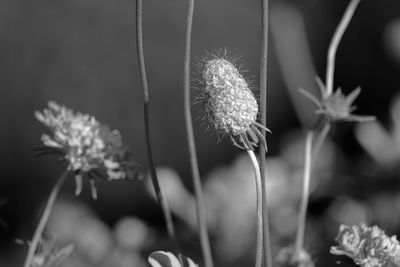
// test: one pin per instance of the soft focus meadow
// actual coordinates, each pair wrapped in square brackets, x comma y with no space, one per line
[82,54]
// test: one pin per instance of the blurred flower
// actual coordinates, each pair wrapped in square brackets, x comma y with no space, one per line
[287,257]
[230,198]
[94,242]
[167,259]
[336,106]
[179,199]
[230,105]
[367,246]
[74,222]
[347,211]
[131,232]
[382,145]
[88,146]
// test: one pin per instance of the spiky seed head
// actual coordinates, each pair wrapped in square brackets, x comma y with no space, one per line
[229,103]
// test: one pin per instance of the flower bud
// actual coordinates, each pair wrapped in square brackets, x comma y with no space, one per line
[230,105]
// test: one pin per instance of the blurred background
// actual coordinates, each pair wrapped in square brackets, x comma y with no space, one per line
[82,54]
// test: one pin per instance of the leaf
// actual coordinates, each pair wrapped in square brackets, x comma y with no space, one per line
[163,259]
[188,262]
[167,259]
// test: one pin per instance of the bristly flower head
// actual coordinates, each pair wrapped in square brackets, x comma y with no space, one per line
[230,105]
[86,145]
[336,106]
[367,246]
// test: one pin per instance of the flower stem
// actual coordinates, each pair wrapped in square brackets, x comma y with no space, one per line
[263,107]
[301,225]
[153,174]
[335,43]
[200,209]
[259,194]
[43,220]
[318,144]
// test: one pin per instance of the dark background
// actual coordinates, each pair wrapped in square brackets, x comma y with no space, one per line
[83,55]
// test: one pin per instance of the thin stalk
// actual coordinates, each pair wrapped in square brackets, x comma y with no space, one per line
[43,220]
[335,43]
[259,193]
[153,174]
[301,225]
[321,138]
[200,209]
[262,151]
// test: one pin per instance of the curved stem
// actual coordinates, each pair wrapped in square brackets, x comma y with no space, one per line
[301,225]
[153,174]
[259,193]
[335,43]
[200,209]
[43,220]
[263,108]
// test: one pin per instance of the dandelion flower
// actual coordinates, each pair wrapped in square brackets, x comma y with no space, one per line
[230,105]
[88,147]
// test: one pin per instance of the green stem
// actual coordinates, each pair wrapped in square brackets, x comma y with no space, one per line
[153,174]
[301,225]
[259,194]
[263,107]
[43,220]
[335,43]
[200,209]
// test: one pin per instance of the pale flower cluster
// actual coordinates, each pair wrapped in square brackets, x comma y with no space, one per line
[367,246]
[84,143]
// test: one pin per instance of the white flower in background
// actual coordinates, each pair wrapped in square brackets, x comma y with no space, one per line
[86,145]
[367,246]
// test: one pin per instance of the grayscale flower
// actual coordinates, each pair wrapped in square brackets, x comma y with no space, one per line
[367,246]
[88,147]
[230,105]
